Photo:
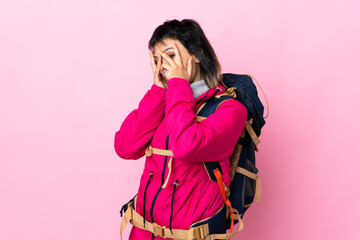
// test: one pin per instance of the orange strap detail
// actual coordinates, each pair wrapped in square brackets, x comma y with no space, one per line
[220,182]
[222,190]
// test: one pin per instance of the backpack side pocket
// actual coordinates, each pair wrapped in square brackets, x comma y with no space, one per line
[249,184]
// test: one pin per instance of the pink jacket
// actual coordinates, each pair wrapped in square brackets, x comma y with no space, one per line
[168,117]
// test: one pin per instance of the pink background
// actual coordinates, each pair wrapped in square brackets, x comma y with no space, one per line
[71,71]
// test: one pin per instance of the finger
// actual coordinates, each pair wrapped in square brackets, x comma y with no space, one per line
[158,65]
[166,66]
[172,63]
[153,66]
[177,55]
[189,67]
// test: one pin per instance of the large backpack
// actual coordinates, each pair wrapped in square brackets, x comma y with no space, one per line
[245,183]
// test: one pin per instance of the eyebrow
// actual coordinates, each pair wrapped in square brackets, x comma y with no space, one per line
[165,50]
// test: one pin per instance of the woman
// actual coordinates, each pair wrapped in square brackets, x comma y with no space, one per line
[176,191]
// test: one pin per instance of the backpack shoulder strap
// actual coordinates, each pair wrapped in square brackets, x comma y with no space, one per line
[208,108]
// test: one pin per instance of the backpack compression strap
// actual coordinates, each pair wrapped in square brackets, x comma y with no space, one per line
[252,133]
[256,178]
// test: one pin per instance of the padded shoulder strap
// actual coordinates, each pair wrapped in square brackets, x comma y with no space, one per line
[210,167]
[210,106]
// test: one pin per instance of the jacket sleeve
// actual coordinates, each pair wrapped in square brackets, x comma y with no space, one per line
[139,126]
[209,140]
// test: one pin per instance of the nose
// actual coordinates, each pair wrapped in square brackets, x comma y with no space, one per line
[163,60]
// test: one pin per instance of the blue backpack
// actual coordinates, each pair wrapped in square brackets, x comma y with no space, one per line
[245,183]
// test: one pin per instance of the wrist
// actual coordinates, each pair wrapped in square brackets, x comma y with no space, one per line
[178,81]
[158,89]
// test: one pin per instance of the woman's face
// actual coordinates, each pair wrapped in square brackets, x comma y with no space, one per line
[169,50]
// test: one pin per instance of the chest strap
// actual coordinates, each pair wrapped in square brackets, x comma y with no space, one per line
[150,151]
